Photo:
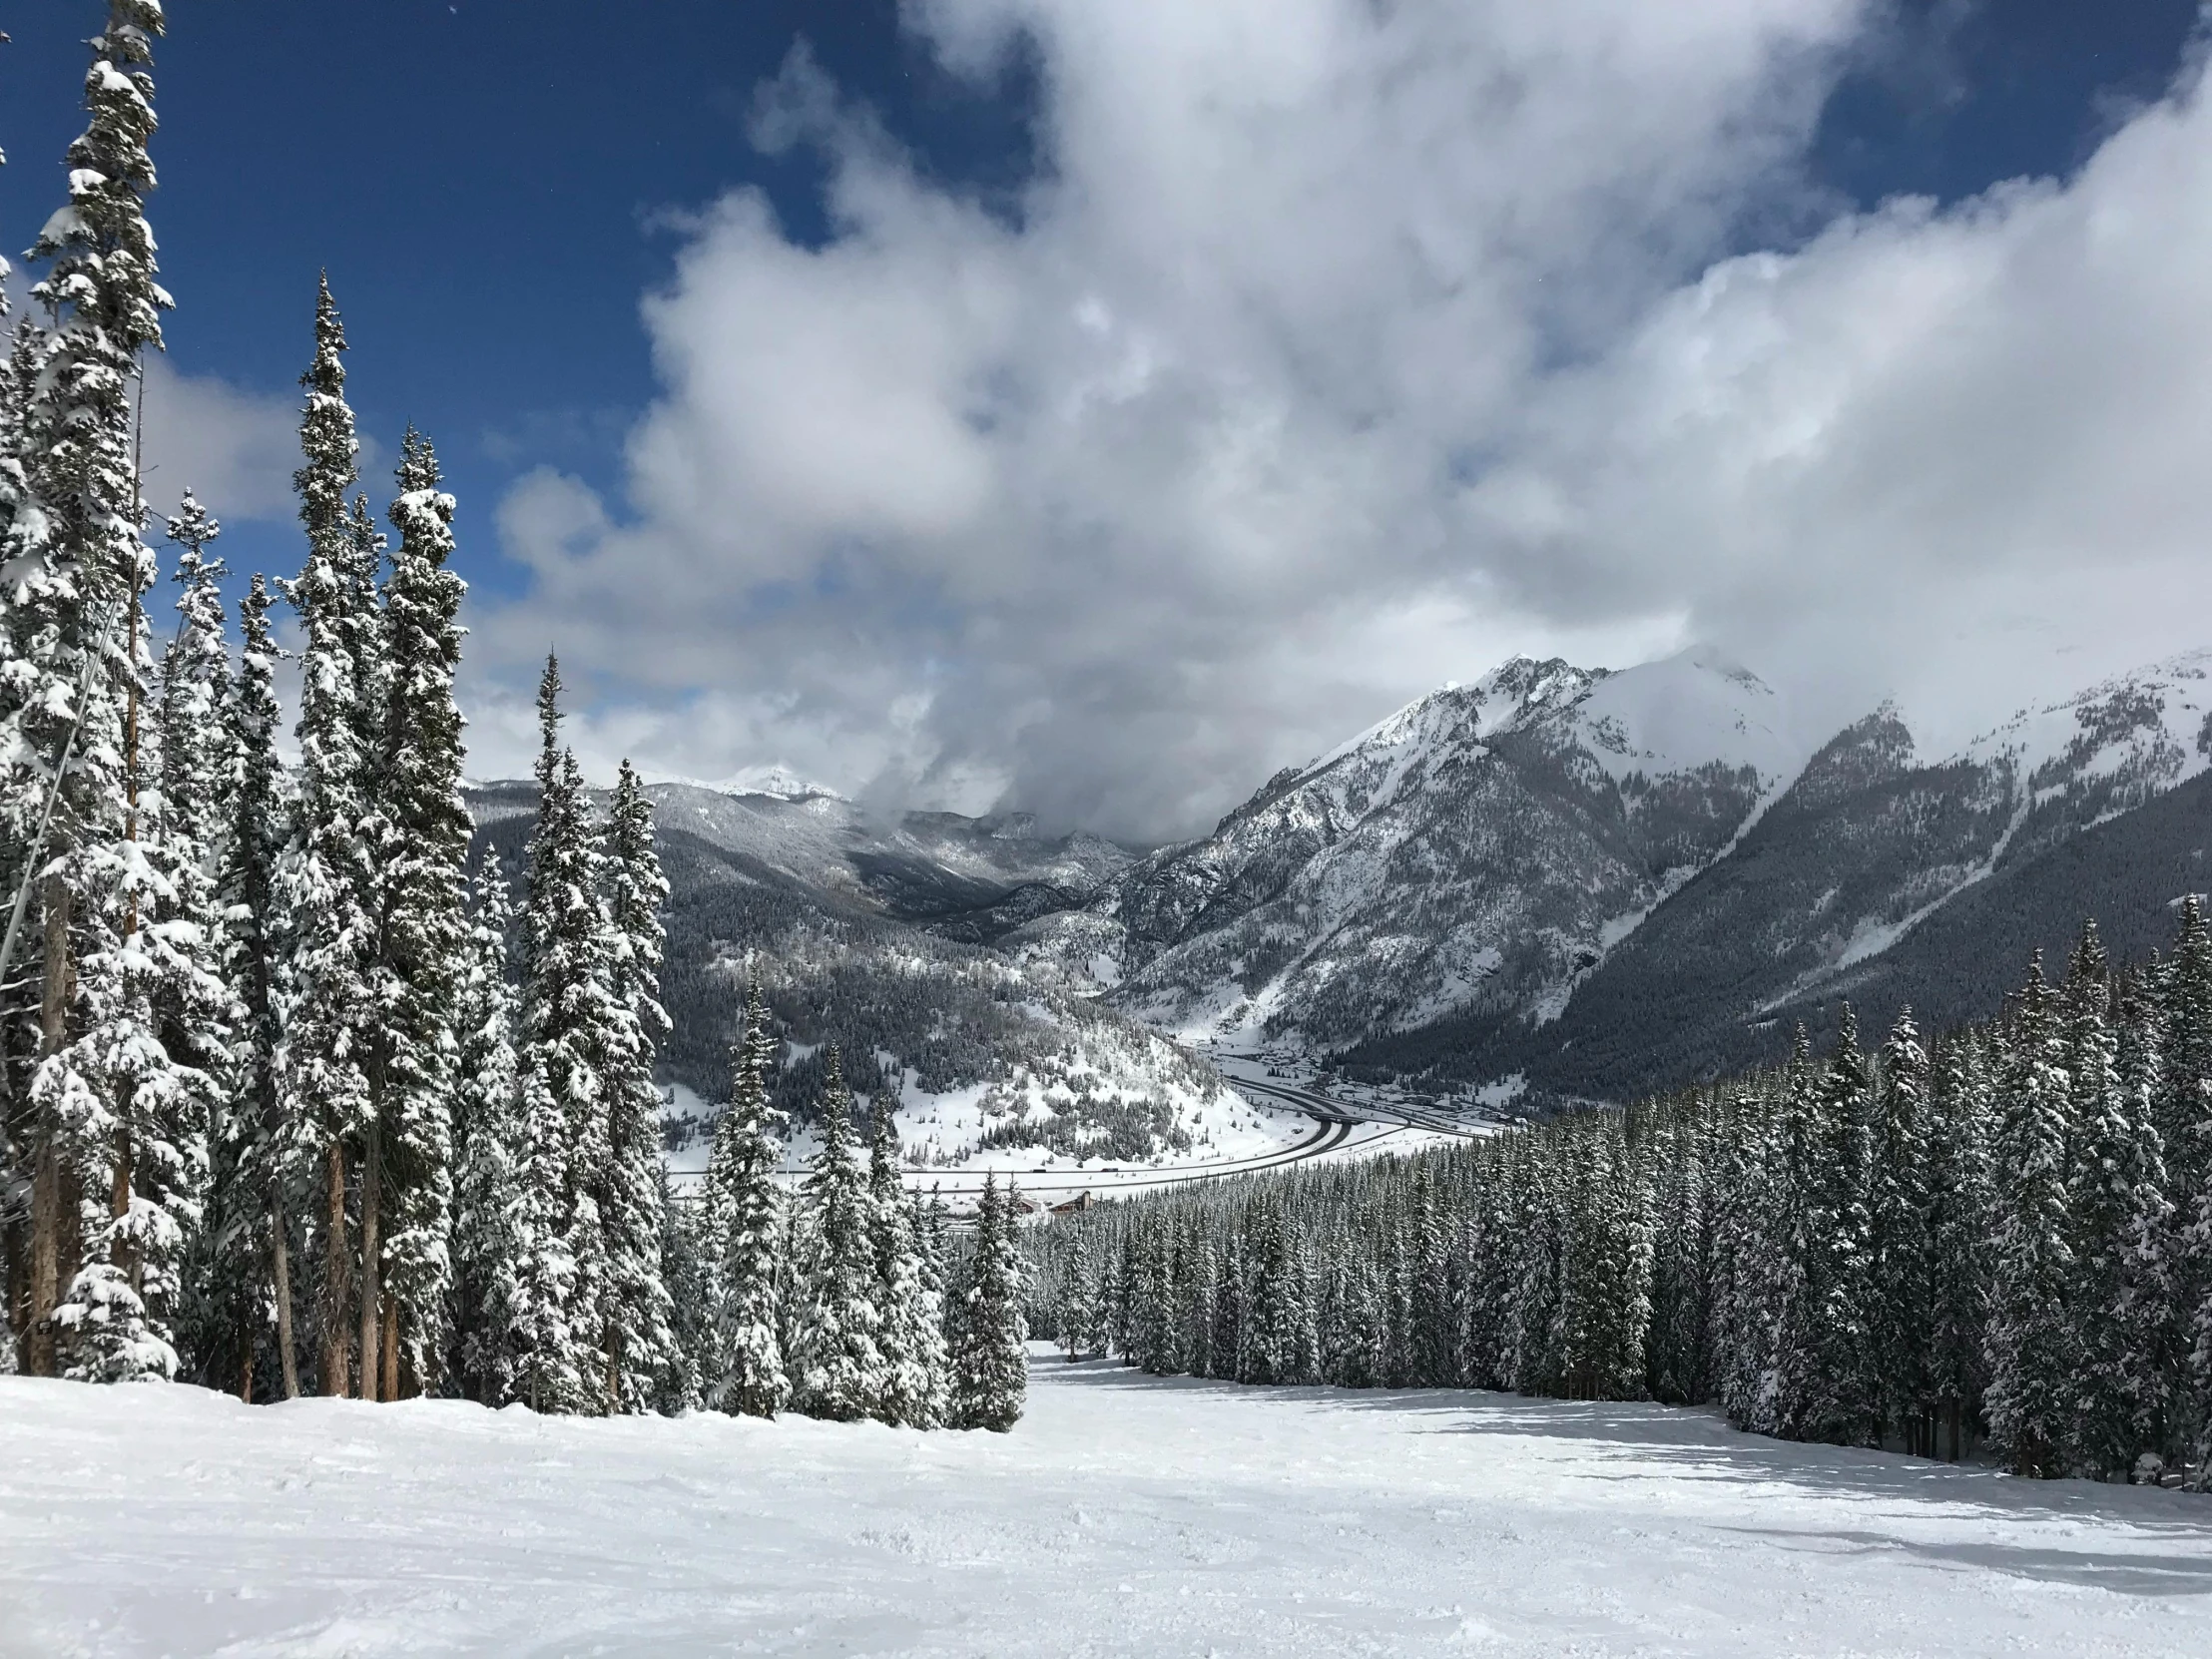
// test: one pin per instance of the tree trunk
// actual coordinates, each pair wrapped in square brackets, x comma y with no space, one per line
[281,1256]
[392,1347]
[336,1349]
[123,1254]
[373,1278]
[45,1177]
[46,1209]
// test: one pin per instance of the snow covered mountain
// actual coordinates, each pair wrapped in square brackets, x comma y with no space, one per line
[1586,884]
[1475,852]
[1557,880]
[1887,878]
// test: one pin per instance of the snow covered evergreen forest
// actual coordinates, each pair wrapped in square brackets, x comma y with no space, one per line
[280,1115]
[2002,1237]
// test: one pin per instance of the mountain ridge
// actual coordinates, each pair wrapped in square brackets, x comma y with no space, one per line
[1484,856]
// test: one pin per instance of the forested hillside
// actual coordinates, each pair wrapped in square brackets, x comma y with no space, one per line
[911,1011]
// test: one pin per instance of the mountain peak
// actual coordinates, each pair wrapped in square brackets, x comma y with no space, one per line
[777,779]
[1695,708]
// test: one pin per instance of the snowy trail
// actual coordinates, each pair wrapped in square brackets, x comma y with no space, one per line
[1124,1516]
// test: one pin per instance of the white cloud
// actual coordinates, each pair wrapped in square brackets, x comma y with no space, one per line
[1957,453]
[234,449]
[1341,350]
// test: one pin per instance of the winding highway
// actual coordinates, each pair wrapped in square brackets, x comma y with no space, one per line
[1340,1125]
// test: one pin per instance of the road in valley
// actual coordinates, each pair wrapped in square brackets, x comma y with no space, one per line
[1352,1127]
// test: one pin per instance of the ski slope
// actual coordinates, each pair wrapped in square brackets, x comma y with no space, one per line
[1125,1516]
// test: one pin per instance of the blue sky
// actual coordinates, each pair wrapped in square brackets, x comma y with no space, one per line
[491,199]
[496,189]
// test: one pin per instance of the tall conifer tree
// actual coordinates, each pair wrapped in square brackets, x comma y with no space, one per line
[490,1154]
[642,1341]
[566,1015]
[838,1364]
[196,1013]
[116,1129]
[990,1377]
[2033,1353]
[1901,1310]
[747,1233]
[420,832]
[910,1331]
[327,875]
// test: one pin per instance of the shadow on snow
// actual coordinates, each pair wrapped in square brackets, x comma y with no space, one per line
[1697,1443]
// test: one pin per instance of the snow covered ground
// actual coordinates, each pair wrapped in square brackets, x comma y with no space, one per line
[1125,1516]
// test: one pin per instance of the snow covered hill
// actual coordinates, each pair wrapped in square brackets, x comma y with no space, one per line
[1123,1514]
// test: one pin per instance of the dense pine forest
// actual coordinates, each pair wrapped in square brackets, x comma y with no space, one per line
[2002,1238]
[281,1115]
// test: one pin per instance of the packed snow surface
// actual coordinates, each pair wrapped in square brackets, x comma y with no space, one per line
[1123,1515]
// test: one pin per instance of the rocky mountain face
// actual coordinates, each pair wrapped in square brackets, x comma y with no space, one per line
[1472,856]
[1584,885]
[1890,880]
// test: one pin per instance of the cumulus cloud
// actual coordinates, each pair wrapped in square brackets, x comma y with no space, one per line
[234,449]
[1341,350]
[1957,454]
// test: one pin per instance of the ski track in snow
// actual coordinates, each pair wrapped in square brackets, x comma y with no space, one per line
[1124,1516]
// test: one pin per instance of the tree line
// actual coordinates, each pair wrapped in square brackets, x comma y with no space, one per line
[280,1115]
[2001,1238]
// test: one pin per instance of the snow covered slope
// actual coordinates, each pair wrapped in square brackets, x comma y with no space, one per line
[1477,851]
[1123,1515]
[2104,752]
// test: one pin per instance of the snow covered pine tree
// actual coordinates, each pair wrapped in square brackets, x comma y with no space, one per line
[837,1369]
[990,1372]
[112,1130]
[747,1233]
